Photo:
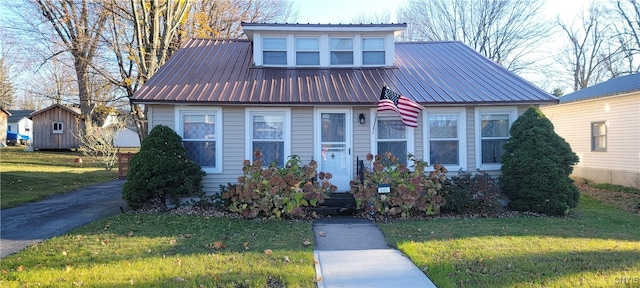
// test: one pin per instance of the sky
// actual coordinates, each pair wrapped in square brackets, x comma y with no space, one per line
[343,11]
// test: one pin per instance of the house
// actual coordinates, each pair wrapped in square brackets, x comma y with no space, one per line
[56,127]
[125,137]
[4,116]
[20,123]
[602,125]
[312,90]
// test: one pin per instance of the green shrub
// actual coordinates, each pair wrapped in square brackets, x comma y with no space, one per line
[413,193]
[536,166]
[277,192]
[472,193]
[161,171]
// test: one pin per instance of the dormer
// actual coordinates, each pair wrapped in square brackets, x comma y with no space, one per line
[323,45]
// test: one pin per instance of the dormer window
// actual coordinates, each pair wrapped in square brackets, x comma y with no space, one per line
[322,45]
[373,51]
[307,51]
[341,51]
[274,51]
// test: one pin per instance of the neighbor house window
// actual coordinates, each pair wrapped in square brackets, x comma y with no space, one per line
[599,136]
[268,133]
[445,137]
[58,127]
[201,132]
[274,51]
[394,137]
[341,51]
[373,51]
[492,130]
[307,51]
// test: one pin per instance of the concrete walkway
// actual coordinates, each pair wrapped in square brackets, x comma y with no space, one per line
[353,252]
[32,223]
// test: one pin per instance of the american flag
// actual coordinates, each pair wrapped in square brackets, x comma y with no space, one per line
[407,109]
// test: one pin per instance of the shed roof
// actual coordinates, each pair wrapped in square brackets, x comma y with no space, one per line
[615,86]
[437,73]
[72,110]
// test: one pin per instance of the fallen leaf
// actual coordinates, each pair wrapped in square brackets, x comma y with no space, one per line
[315,261]
[173,241]
[321,233]
[130,233]
[186,236]
[179,279]
[20,268]
[64,253]
[246,245]
[218,245]
[306,242]
[286,259]
[268,251]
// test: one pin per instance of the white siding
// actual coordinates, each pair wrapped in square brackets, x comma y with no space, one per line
[620,164]
[161,115]
[362,133]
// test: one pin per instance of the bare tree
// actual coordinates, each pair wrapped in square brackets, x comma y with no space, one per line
[222,18]
[7,90]
[505,31]
[78,25]
[589,55]
[627,32]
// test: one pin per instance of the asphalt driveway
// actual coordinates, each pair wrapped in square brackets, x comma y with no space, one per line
[32,223]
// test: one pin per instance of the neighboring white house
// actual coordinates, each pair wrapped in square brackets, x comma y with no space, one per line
[312,90]
[125,137]
[20,123]
[602,125]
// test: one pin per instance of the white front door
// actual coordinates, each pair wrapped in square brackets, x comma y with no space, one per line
[333,145]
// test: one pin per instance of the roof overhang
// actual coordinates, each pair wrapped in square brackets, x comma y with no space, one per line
[251,28]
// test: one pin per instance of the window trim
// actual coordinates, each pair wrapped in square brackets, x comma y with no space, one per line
[352,50]
[606,138]
[286,50]
[363,50]
[462,136]
[60,129]
[512,111]
[180,110]
[249,112]
[411,144]
[296,50]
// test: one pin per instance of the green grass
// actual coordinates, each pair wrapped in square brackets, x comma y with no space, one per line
[616,188]
[166,250]
[596,246]
[32,176]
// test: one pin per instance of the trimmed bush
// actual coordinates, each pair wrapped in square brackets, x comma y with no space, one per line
[472,193]
[161,171]
[536,166]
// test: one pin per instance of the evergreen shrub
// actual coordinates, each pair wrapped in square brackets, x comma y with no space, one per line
[161,171]
[536,166]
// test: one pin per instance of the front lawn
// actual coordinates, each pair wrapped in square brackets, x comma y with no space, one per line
[596,246]
[29,176]
[166,250]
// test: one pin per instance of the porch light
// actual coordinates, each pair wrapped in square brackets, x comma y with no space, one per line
[361,117]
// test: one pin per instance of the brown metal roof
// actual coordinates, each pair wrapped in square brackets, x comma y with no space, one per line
[221,71]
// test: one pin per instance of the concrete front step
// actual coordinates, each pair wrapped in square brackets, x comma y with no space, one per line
[338,204]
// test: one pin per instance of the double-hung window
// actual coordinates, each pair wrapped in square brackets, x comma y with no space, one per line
[373,51]
[599,136]
[492,130]
[341,51]
[58,127]
[393,137]
[274,51]
[307,51]
[268,133]
[201,132]
[445,137]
